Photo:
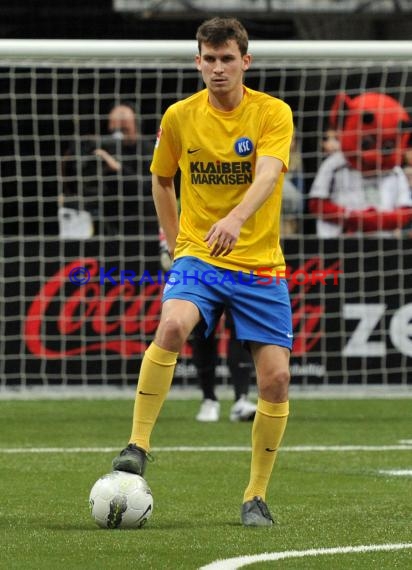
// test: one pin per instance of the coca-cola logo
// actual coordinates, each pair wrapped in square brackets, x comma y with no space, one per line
[66,320]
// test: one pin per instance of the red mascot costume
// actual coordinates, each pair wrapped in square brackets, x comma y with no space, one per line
[362,187]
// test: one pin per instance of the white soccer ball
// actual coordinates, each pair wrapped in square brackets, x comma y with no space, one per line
[121,500]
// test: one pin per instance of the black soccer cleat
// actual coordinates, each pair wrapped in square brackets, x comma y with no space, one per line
[256,513]
[131,459]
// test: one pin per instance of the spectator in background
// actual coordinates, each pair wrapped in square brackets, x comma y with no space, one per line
[407,162]
[407,168]
[107,182]
[361,188]
[330,141]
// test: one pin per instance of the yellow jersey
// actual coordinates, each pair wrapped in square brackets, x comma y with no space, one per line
[216,152]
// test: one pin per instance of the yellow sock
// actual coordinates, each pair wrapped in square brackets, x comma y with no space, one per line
[155,378]
[267,432]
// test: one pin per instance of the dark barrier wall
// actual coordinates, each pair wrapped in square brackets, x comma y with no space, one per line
[84,312]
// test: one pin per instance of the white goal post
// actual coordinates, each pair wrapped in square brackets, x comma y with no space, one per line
[172,52]
[57,333]
[178,51]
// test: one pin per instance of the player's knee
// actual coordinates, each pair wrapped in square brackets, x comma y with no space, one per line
[283,377]
[173,330]
[277,377]
[274,385]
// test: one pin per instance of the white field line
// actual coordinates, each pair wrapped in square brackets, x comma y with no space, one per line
[396,472]
[240,561]
[222,449]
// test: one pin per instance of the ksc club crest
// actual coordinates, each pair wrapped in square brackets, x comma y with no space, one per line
[243,146]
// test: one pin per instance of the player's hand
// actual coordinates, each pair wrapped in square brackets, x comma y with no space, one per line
[166,259]
[223,235]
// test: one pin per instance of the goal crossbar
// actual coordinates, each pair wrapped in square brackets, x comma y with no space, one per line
[184,50]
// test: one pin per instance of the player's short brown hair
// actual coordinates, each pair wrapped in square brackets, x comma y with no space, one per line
[218,31]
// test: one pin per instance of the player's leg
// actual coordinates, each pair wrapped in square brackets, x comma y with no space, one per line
[205,360]
[183,303]
[272,371]
[240,365]
[156,374]
[262,315]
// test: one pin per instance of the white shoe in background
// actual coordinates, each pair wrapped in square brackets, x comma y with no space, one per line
[242,410]
[209,411]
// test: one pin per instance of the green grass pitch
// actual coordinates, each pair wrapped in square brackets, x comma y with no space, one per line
[322,494]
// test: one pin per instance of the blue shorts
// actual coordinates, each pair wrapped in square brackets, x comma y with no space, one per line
[260,310]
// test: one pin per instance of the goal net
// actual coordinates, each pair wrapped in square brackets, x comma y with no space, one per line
[80,281]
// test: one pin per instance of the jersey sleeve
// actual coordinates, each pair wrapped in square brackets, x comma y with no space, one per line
[167,149]
[277,132]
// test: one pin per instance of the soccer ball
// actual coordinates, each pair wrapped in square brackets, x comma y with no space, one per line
[121,500]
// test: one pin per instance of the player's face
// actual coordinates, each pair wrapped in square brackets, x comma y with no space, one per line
[222,67]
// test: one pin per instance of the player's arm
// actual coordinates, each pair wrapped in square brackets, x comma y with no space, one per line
[223,235]
[164,196]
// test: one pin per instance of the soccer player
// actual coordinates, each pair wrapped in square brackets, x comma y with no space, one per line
[232,146]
